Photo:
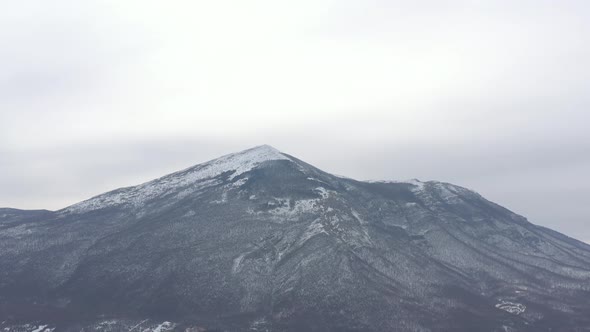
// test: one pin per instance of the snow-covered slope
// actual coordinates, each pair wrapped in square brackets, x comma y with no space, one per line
[235,164]
[261,241]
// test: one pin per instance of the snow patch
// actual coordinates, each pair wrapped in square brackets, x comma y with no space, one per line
[511,307]
[322,191]
[358,217]
[284,210]
[240,182]
[107,323]
[237,262]
[165,326]
[312,230]
[43,328]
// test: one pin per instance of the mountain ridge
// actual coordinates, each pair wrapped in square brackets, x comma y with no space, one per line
[251,157]
[260,240]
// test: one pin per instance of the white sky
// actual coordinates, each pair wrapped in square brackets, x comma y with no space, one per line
[492,95]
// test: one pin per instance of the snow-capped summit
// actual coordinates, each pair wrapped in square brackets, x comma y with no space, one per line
[241,162]
[233,164]
[263,149]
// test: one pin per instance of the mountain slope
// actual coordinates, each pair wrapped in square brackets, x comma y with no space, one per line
[259,240]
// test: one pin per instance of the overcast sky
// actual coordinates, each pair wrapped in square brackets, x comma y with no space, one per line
[490,95]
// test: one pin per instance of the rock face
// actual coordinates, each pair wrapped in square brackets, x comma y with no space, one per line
[262,241]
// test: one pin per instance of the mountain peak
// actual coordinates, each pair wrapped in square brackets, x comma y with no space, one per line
[263,147]
[234,163]
[259,152]
[241,162]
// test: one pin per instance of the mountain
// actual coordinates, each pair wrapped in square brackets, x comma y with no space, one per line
[262,241]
